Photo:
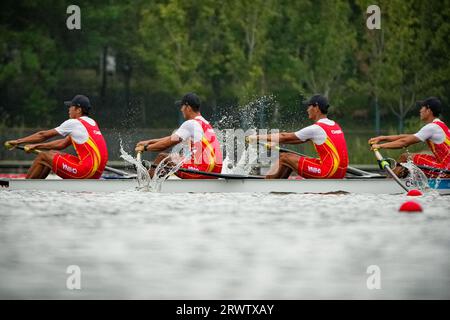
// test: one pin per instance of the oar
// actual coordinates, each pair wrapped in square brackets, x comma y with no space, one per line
[216,175]
[385,166]
[204,173]
[120,172]
[9,146]
[351,170]
[36,151]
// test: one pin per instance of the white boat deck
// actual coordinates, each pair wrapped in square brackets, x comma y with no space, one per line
[372,186]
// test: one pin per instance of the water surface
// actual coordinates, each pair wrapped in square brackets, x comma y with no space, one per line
[141,245]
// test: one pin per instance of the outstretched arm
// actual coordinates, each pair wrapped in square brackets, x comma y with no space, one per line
[36,137]
[289,138]
[379,139]
[52,145]
[158,144]
[283,137]
[403,142]
[143,145]
[144,142]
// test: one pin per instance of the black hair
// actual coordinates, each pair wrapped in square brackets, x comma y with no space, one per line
[432,103]
[323,109]
[434,111]
[84,111]
[194,108]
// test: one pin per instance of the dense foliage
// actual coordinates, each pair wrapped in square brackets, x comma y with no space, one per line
[231,52]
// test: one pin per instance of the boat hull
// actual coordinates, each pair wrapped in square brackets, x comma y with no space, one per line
[359,186]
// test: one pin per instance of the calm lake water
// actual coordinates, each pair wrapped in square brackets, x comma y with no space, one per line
[140,245]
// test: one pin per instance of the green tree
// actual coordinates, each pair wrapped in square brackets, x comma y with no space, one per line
[321,40]
[397,64]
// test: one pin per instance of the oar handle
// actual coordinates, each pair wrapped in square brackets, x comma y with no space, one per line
[386,166]
[377,154]
[383,163]
[9,146]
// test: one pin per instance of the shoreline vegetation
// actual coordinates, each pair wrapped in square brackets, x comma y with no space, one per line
[135,58]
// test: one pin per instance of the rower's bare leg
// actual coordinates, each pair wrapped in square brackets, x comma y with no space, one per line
[278,172]
[399,170]
[273,169]
[287,163]
[160,157]
[41,166]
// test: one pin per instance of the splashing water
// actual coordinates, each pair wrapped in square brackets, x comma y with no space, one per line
[163,170]
[416,177]
[439,177]
[259,113]
[438,180]
[240,158]
[227,166]
[250,115]
[143,177]
[248,158]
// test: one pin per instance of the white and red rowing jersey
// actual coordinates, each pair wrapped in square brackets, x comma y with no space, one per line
[437,136]
[206,154]
[89,145]
[329,141]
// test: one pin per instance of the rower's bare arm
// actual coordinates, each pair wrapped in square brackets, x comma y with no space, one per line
[289,138]
[283,137]
[145,142]
[164,143]
[143,145]
[392,138]
[59,144]
[263,137]
[36,137]
[403,142]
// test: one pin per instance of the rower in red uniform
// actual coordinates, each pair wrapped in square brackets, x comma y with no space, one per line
[328,140]
[435,133]
[204,148]
[80,131]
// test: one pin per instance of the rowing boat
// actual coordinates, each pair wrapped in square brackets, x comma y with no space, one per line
[358,186]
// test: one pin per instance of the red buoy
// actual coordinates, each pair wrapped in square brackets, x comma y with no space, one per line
[411,206]
[414,193]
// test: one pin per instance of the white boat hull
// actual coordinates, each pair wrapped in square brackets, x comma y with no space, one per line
[372,186]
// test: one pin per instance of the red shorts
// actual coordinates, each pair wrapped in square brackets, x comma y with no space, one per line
[430,161]
[313,168]
[68,166]
[199,167]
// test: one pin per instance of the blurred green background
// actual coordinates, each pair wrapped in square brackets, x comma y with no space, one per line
[261,57]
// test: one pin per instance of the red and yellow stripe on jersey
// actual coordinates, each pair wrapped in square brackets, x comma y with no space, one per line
[206,154]
[441,154]
[333,156]
[91,158]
